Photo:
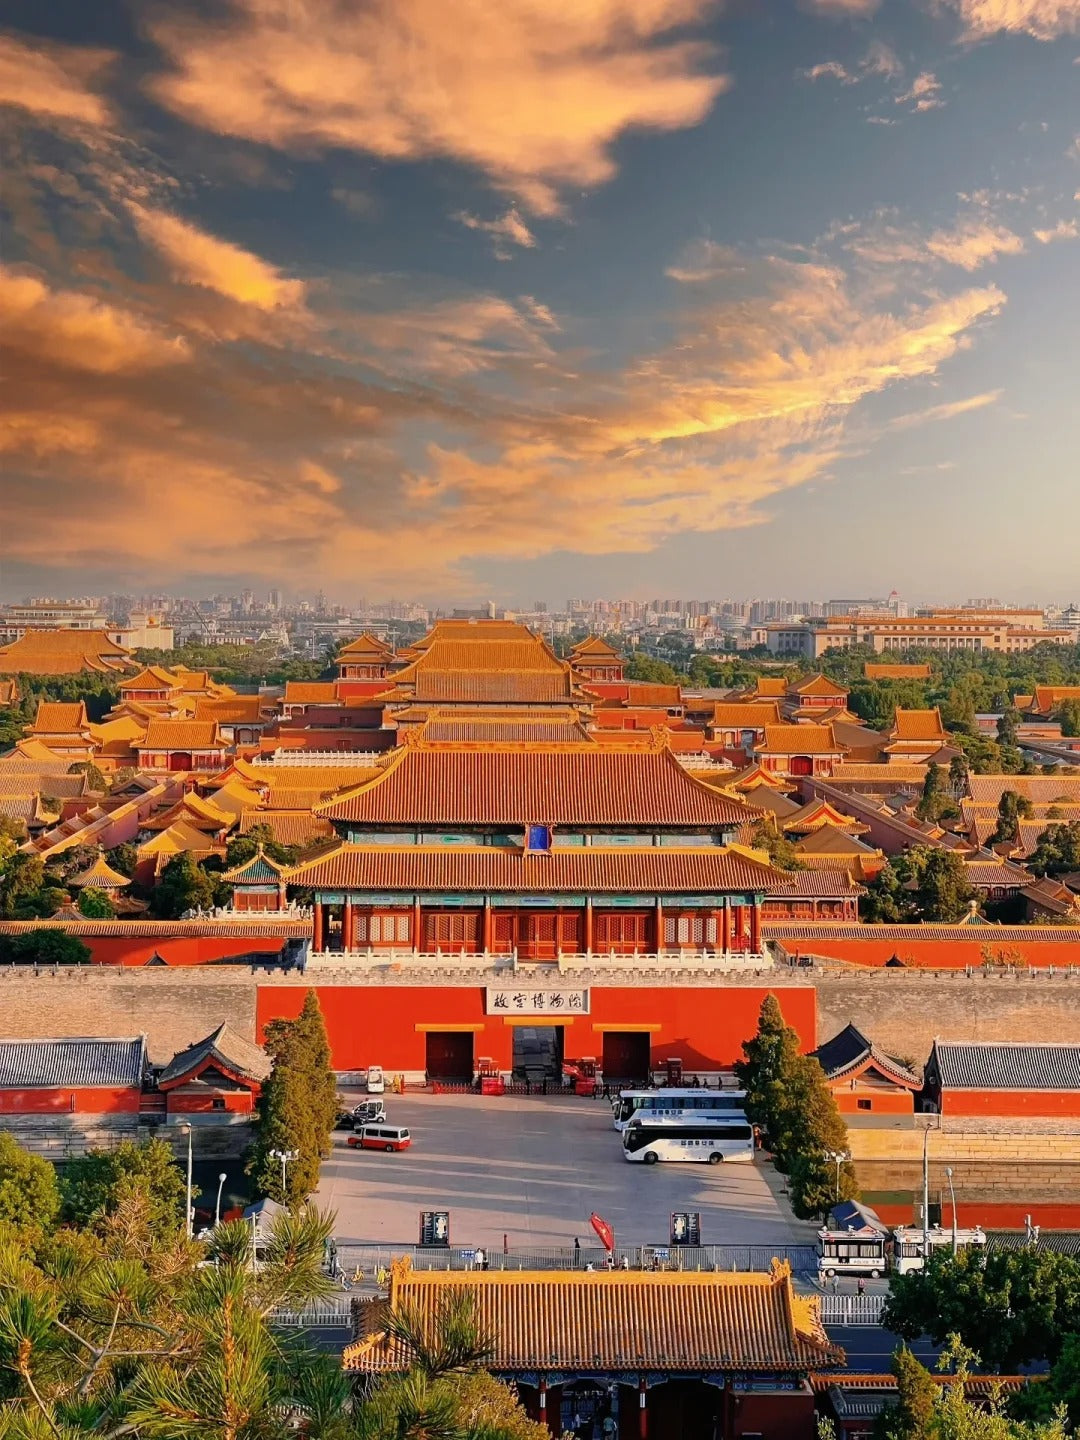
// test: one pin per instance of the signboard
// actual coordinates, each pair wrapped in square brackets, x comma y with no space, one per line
[685,1227]
[551,1000]
[434,1227]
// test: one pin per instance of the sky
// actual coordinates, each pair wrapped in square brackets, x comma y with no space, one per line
[525,299]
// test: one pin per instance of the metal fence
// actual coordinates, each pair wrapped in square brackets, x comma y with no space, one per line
[852,1309]
[335,1314]
[367,1265]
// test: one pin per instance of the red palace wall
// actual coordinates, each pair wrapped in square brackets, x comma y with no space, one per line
[176,950]
[882,1102]
[235,1104]
[67,1101]
[943,954]
[378,1025]
[1010,1102]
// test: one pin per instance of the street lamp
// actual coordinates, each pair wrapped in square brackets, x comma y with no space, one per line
[284,1156]
[838,1157]
[952,1204]
[186,1130]
[217,1204]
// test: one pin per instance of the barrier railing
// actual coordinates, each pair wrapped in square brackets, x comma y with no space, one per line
[852,1309]
[369,1265]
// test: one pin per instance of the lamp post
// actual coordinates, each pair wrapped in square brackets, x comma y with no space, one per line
[838,1157]
[217,1205]
[952,1204]
[926,1194]
[284,1156]
[186,1130]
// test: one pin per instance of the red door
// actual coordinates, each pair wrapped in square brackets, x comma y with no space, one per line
[540,940]
[802,765]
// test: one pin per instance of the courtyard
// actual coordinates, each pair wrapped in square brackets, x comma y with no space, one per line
[532,1169]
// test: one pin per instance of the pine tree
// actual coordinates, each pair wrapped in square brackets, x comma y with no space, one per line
[916,1400]
[311,1030]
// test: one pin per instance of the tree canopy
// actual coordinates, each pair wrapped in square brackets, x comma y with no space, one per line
[97,1184]
[29,1194]
[297,1106]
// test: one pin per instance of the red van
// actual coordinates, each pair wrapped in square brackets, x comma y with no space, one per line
[380,1137]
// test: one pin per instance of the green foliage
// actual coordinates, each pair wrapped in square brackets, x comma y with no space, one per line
[934,797]
[787,1096]
[916,1400]
[1013,1307]
[1012,808]
[43,947]
[1057,850]
[1067,715]
[245,846]
[95,904]
[655,672]
[98,1183]
[121,1331]
[297,1106]
[123,858]
[26,893]
[240,664]
[923,883]
[186,885]
[781,852]
[95,779]
[29,1194]
[1061,1390]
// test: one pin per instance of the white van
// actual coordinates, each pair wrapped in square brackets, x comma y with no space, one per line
[381,1137]
[376,1085]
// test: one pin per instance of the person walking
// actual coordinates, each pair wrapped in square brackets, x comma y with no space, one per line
[861,1287]
[481,1259]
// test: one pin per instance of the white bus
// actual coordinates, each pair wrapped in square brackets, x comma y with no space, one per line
[679,1104]
[872,1252]
[705,1141]
[911,1246]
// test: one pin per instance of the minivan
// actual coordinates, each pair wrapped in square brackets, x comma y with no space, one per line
[381,1137]
[375,1082]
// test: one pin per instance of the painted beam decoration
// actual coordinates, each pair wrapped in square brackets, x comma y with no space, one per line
[535,1000]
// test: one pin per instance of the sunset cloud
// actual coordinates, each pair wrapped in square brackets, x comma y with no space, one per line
[78,332]
[946,411]
[1063,230]
[924,93]
[1041,19]
[195,257]
[533,93]
[976,238]
[52,81]
[507,230]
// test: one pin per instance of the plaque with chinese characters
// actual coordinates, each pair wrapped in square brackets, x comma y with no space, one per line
[536,1000]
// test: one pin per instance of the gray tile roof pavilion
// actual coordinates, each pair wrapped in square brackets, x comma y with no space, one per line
[72,1063]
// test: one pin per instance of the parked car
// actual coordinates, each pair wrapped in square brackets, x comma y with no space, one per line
[381,1137]
[375,1082]
[368,1112]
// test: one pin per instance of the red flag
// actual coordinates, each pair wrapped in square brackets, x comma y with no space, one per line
[604,1230]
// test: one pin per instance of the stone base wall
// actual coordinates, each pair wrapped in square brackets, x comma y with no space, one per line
[948,1147]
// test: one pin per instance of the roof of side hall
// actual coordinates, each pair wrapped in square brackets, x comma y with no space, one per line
[1003,1066]
[571,785]
[42,1064]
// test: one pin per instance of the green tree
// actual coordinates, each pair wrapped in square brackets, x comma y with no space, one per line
[29,1194]
[1013,1307]
[958,776]
[245,846]
[655,672]
[286,1120]
[123,858]
[43,947]
[25,891]
[781,852]
[185,885]
[916,1400]
[933,794]
[943,891]
[95,904]
[886,902]
[1067,715]
[97,1184]
[321,1080]
[95,780]
[1012,808]
[1057,850]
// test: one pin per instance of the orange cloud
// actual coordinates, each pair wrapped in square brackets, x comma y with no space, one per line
[79,332]
[976,238]
[53,81]
[533,93]
[1042,19]
[947,411]
[197,258]
[508,229]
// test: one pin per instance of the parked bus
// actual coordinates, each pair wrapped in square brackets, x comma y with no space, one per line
[875,1253]
[702,1140]
[680,1104]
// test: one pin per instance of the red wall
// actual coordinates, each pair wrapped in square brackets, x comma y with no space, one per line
[236,1103]
[882,1102]
[176,950]
[1010,1102]
[943,954]
[55,1101]
[377,1026]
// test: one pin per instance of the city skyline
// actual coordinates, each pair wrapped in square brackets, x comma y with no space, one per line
[646,297]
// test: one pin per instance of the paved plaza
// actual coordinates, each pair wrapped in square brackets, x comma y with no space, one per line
[532,1169]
